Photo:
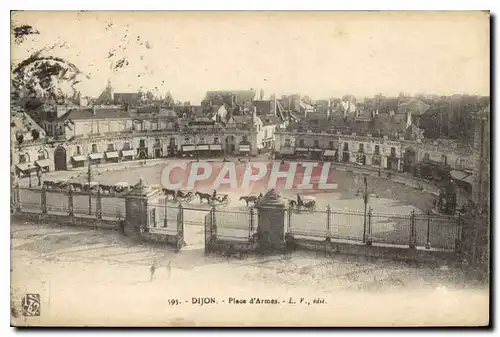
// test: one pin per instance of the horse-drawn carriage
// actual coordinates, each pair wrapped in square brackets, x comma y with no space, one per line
[178,196]
[214,199]
[303,203]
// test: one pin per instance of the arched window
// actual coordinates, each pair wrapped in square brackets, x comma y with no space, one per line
[22,159]
[202,141]
[94,148]
[287,142]
[42,155]
[216,140]
[111,147]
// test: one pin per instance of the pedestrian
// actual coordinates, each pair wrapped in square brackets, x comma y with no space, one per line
[152,270]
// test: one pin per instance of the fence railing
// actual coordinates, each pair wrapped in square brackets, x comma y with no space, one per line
[43,201]
[411,230]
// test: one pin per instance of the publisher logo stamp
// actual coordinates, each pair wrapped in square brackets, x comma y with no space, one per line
[31,305]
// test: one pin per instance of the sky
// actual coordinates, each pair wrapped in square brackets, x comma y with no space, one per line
[320,54]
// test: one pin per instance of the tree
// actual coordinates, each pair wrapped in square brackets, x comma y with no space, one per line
[41,75]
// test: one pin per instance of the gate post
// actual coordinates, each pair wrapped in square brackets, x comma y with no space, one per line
[369,237]
[180,228]
[98,204]
[250,225]
[44,200]
[213,223]
[70,202]
[328,223]
[428,241]
[18,198]
[413,239]
[458,239]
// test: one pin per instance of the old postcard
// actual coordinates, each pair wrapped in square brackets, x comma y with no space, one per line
[250,168]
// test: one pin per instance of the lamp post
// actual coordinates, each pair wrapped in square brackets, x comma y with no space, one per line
[29,175]
[365,200]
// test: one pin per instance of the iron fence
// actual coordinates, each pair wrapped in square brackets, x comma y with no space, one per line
[428,231]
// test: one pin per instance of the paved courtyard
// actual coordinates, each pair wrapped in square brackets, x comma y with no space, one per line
[98,277]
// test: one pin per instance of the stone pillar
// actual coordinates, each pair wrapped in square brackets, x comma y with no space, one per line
[271,230]
[136,211]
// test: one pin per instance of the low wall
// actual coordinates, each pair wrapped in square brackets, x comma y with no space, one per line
[233,245]
[378,251]
[69,220]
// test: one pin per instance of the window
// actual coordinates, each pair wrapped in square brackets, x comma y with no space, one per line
[22,159]
[444,160]
[265,133]
[302,143]
[346,147]
[142,143]
[78,150]
[316,143]
[377,150]
[287,143]
[462,164]
[172,141]
[126,146]
[393,151]
[202,141]
[426,157]
[94,148]
[330,145]
[245,139]
[361,147]
[41,155]
[157,142]
[111,147]
[187,140]
[216,140]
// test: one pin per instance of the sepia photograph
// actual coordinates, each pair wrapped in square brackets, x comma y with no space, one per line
[250,169]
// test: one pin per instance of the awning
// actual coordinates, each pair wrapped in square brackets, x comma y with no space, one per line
[111,154]
[79,158]
[25,166]
[329,153]
[188,148]
[128,153]
[315,149]
[244,148]
[96,156]
[469,179]
[203,147]
[301,149]
[287,150]
[43,162]
[216,147]
[459,175]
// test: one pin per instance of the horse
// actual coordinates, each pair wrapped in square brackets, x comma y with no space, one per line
[168,192]
[249,199]
[182,195]
[76,186]
[49,184]
[202,196]
[105,188]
